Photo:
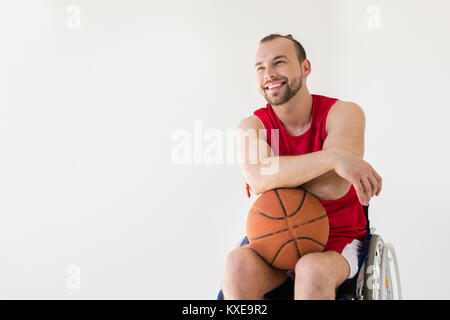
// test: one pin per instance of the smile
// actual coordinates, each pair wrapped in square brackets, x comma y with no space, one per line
[275,87]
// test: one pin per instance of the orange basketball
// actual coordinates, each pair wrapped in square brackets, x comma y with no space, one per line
[285,224]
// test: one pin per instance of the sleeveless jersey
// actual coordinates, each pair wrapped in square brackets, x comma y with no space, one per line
[346,214]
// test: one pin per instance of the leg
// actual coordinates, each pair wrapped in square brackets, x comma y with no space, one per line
[248,276]
[317,275]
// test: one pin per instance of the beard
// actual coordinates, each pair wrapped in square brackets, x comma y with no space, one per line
[290,90]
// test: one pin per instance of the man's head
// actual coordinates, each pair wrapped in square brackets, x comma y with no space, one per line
[280,60]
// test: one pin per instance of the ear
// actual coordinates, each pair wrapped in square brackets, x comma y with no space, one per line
[306,68]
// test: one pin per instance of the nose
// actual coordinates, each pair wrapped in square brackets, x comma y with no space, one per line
[269,73]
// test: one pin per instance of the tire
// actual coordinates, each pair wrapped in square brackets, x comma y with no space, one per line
[372,270]
[390,274]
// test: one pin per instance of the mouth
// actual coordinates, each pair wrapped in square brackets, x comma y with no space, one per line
[275,87]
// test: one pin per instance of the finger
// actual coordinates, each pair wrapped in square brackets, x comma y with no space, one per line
[377,176]
[359,192]
[375,185]
[367,190]
[380,182]
[246,188]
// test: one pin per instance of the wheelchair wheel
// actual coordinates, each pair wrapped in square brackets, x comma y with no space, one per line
[381,276]
[390,274]
[372,270]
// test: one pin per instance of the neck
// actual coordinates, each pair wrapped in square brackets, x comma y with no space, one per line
[297,111]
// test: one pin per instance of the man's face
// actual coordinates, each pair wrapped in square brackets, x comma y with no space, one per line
[278,71]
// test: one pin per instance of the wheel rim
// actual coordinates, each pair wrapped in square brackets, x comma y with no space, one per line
[391,289]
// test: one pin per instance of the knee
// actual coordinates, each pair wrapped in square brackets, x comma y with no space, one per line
[237,266]
[312,271]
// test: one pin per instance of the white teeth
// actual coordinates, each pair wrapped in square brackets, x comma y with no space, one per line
[274,86]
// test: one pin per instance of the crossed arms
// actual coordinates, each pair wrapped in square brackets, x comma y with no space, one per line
[328,173]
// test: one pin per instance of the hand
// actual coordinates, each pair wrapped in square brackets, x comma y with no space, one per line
[366,181]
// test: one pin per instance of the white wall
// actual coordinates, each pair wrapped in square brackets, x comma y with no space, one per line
[87,115]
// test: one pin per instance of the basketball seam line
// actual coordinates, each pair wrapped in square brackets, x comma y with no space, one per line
[293,227]
[287,220]
[286,215]
[300,206]
[298,238]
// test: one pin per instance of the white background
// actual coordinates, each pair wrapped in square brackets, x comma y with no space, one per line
[87,177]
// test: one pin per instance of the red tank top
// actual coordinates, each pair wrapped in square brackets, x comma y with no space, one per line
[346,214]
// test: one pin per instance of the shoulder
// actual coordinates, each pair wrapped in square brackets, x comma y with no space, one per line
[343,112]
[250,122]
[346,108]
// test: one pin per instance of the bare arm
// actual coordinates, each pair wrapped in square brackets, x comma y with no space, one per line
[328,173]
[345,127]
[267,171]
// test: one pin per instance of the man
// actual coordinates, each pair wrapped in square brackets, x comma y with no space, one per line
[319,147]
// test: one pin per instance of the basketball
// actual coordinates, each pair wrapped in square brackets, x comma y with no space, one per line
[285,224]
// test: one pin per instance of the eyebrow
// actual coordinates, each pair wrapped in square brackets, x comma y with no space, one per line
[274,58]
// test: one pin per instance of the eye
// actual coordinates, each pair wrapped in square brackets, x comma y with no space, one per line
[278,62]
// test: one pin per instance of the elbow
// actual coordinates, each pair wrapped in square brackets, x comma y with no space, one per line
[340,190]
[258,183]
[260,190]
[257,186]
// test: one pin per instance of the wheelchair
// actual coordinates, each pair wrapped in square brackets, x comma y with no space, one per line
[377,278]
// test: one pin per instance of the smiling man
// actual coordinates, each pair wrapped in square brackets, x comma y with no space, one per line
[320,147]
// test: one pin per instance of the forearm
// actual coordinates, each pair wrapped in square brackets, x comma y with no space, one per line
[289,171]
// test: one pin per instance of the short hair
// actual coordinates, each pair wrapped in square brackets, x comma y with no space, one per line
[301,54]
